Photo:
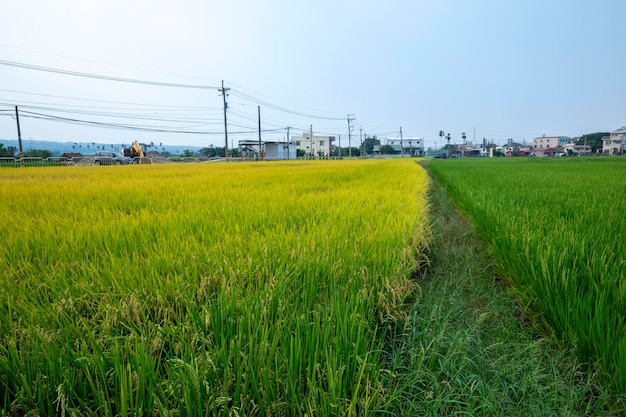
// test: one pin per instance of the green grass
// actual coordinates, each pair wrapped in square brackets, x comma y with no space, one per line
[469,349]
[556,231]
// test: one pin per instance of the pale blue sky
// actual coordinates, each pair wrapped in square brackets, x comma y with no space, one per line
[508,69]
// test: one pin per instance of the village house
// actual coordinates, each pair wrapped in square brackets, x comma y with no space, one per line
[514,148]
[407,146]
[270,150]
[615,143]
[550,142]
[554,151]
[318,146]
[577,150]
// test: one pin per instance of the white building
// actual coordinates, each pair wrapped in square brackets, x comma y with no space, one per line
[550,141]
[615,144]
[318,146]
[579,150]
[514,148]
[271,150]
[408,146]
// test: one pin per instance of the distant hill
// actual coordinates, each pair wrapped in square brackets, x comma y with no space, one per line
[86,148]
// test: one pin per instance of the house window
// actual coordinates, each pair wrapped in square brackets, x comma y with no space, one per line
[322,143]
[297,143]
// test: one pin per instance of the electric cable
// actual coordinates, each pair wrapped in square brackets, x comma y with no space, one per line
[103,77]
[113,102]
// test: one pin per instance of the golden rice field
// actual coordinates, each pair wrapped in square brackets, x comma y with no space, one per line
[220,289]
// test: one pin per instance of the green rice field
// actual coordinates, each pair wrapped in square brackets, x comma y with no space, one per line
[557,232]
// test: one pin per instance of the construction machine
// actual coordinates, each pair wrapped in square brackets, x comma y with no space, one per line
[136,151]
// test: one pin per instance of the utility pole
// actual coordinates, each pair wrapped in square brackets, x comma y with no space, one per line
[311,137]
[363,144]
[464,136]
[349,145]
[401,144]
[288,145]
[339,153]
[350,120]
[223,91]
[361,141]
[261,153]
[19,137]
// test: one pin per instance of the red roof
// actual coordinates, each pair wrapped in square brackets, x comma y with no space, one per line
[555,149]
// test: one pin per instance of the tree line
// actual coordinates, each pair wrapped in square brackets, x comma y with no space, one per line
[12,152]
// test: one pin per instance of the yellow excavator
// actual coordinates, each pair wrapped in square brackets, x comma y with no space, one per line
[136,151]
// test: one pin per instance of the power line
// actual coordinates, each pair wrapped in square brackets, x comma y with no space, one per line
[111,102]
[103,77]
[266,121]
[279,108]
[254,97]
[180,119]
[43,116]
[80,109]
[104,63]
[384,134]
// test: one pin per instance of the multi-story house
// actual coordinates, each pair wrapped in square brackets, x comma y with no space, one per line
[514,148]
[550,142]
[318,146]
[579,150]
[407,146]
[615,143]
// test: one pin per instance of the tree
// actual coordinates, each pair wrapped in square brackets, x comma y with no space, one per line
[346,151]
[592,139]
[368,144]
[187,153]
[387,150]
[38,153]
[451,148]
[8,151]
[209,152]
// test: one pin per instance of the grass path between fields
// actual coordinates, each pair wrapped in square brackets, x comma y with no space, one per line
[468,349]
